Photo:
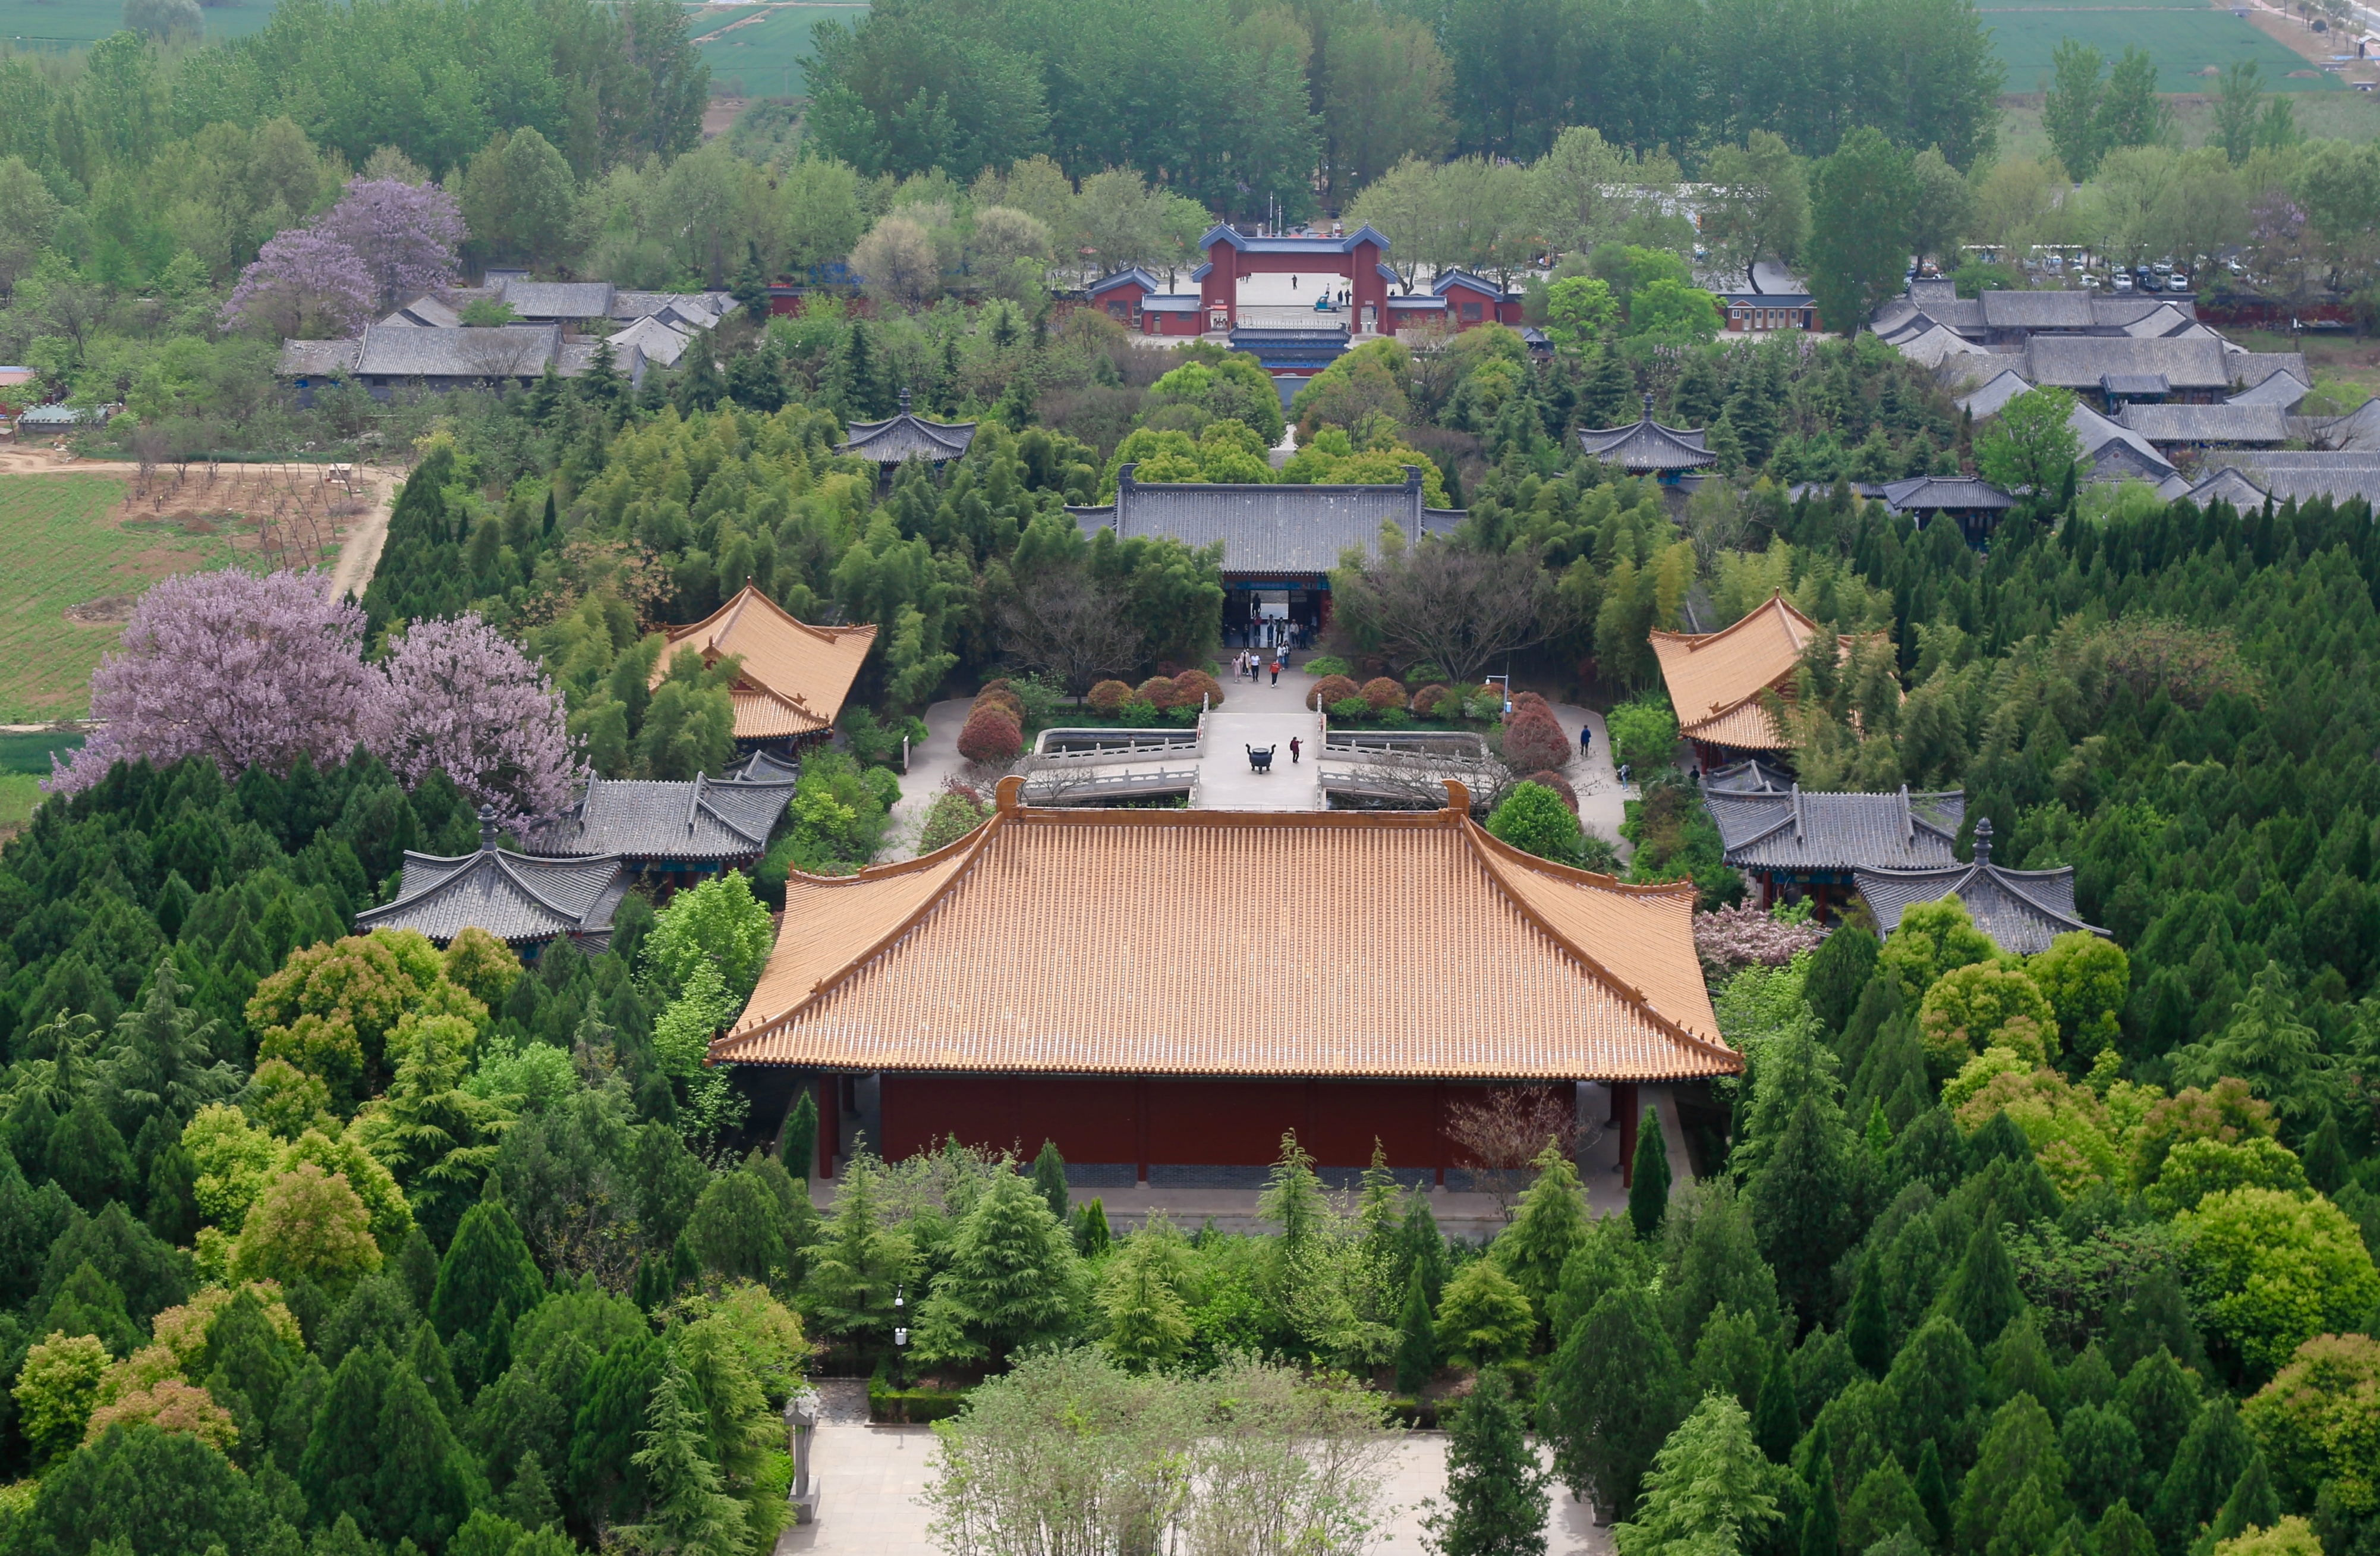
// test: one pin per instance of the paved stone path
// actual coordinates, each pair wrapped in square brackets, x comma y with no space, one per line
[1259,713]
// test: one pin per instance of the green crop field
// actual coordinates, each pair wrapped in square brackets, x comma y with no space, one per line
[2188,41]
[54,25]
[765,51]
[59,547]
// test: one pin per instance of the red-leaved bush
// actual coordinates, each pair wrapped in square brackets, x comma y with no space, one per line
[1331,689]
[1533,740]
[1192,684]
[1437,701]
[990,735]
[1383,694]
[1108,697]
[1158,691]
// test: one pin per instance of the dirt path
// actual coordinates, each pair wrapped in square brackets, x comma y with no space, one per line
[359,550]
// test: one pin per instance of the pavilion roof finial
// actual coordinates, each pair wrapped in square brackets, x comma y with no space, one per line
[905,400]
[1982,840]
[1648,405]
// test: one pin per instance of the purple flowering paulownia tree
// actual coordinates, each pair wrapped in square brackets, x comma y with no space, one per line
[245,670]
[458,696]
[303,284]
[405,234]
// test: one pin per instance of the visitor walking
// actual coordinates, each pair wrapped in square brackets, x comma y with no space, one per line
[1292,750]
[1276,670]
[1586,738]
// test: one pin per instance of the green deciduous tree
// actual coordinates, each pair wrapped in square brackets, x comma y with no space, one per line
[1860,198]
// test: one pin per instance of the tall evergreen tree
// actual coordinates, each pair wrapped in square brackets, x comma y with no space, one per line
[1934,1491]
[1777,1419]
[1422,1246]
[1868,1327]
[2120,1532]
[487,1266]
[1011,1279]
[2253,1504]
[689,1514]
[797,1143]
[421,1482]
[1983,1295]
[1801,1197]
[1551,1225]
[1822,1524]
[1615,1390]
[1416,1338]
[1649,1181]
[1050,1180]
[1496,1501]
[342,1456]
[605,1482]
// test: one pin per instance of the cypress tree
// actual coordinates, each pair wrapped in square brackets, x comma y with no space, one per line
[1840,972]
[1615,1390]
[605,1483]
[1801,1197]
[421,1482]
[1424,1247]
[1496,1502]
[1549,1228]
[1091,1235]
[797,1142]
[2120,1532]
[488,1266]
[1416,1338]
[2253,1504]
[427,1360]
[1649,1185]
[1050,1180]
[172,1212]
[342,1454]
[1009,1282]
[1869,1329]
[2089,1378]
[87,1158]
[1776,1418]
[1822,1525]
[2326,1158]
[1934,1491]
[1983,1295]
[2157,1394]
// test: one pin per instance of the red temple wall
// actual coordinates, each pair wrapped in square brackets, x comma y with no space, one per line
[1203,1122]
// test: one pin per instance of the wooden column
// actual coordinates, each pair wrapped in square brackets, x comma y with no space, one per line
[1623,1109]
[830,1094]
[1140,1123]
[1437,1131]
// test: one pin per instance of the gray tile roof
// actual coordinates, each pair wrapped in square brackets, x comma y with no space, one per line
[507,351]
[2022,910]
[2206,424]
[2281,390]
[2101,436]
[559,299]
[2308,474]
[2038,310]
[908,436]
[2081,361]
[646,819]
[513,897]
[317,359]
[1750,776]
[1648,445]
[2251,367]
[2140,386]
[1284,529]
[577,356]
[422,311]
[1932,493]
[1797,830]
[2225,485]
[763,764]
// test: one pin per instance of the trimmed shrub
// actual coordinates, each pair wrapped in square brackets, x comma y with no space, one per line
[990,735]
[1108,697]
[1327,665]
[955,813]
[1383,694]
[1394,718]
[1523,701]
[1159,691]
[1351,710]
[1139,712]
[1532,740]
[1190,685]
[1437,703]
[1424,674]
[998,683]
[1558,785]
[1332,689]
[1005,701]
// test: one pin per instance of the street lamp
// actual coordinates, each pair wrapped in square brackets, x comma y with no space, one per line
[900,1330]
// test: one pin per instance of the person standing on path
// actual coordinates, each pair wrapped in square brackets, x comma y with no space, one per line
[1586,738]
[1276,670]
[1292,750]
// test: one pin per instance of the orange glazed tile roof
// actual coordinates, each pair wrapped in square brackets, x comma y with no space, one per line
[1715,678]
[1201,943]
[795,676]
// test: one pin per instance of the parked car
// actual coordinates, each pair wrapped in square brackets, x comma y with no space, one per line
[2123,282]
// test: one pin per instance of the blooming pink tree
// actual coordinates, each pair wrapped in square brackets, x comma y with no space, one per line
[458,696]
[1735,938]
[405,234]
[243,669]
[303,284]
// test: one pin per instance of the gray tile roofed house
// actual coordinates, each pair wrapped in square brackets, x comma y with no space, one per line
[317,359]
[2022,910]
[577,356]
[908,436]
[1797,830]
[2225,485]
[1750,776]
[2083,361]
[1645,445]
[2282,390]
[513,897]
[559,300]
[765,763]
[1269,530]
[2135,385]
[2308,474]
[2251,367]
[1935,493]
[2039,310]
[507,351]
[650,821]
[2225,424]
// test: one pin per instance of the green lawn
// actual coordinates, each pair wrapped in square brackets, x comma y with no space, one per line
[765,55]
[58,547]
[38,25]
[2188,43]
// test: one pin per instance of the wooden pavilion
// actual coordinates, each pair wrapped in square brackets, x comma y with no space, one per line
[793,677]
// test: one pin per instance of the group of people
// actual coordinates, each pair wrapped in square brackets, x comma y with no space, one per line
[1252,666]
